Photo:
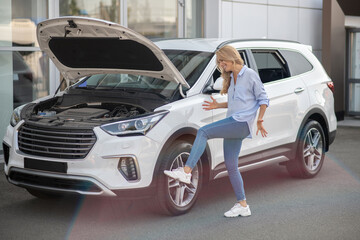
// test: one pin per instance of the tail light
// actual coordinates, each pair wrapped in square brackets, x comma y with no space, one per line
[331,86]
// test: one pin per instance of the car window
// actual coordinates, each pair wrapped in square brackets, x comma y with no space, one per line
[190,64]
[297,63]
[271,66]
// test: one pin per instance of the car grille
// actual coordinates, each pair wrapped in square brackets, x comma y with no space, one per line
[55,143]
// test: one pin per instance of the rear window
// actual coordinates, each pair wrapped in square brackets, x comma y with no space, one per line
[297,63]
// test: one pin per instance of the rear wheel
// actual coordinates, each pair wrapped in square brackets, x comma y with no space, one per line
[177,198]
[311,152]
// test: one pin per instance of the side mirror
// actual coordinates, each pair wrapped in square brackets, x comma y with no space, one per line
[214,87]
[218,84]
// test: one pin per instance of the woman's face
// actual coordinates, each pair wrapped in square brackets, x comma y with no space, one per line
[227,66]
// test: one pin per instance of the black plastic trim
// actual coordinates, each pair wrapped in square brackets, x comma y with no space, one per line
[323,116]
[6,150]
[25,180]
[332,137]
[49,166]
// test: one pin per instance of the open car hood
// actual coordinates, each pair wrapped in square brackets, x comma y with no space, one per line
[84,46]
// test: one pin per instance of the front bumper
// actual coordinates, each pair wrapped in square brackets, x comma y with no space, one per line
[96,174]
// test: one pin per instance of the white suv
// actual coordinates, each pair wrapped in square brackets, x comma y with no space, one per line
[136,105]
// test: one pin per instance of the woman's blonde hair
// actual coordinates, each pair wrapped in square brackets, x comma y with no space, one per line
[227,53]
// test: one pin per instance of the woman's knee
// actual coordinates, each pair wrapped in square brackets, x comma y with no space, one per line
[202,132]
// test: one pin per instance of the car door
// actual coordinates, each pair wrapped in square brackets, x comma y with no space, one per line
[288,102]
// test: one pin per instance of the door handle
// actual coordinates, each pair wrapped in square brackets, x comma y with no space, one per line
[299,90]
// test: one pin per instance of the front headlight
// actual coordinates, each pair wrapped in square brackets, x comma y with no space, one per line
[134,126]
[15,117]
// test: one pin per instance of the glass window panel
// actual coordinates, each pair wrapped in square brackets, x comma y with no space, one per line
[270,66]
[5,23]
[191,65]
[103,9]
[354,97]
[26,14]
[297,63]
[355,55]
[30,76]
[194,16]
[6,100]
[153,18]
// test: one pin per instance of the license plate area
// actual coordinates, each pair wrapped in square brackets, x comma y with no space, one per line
[48,166]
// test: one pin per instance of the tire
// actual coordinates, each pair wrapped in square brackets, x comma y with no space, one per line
[310,152]
[44,194]
[174,197]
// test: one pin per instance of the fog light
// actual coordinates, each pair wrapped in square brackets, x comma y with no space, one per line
[128,168]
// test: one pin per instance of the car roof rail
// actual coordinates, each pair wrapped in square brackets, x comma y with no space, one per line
[253,39]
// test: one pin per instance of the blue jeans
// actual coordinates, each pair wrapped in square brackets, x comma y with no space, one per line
[233,133]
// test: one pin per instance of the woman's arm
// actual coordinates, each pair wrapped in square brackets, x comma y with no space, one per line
[262,112]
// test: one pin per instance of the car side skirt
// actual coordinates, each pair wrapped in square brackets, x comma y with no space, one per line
[260,159]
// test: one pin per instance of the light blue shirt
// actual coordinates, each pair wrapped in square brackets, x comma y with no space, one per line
[246,96]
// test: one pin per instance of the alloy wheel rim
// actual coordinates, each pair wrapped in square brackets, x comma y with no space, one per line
[313,150]
[181,194]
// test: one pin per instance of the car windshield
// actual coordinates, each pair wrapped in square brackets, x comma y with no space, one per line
[189,63]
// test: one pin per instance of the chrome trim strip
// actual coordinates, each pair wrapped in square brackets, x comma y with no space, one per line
[55,148]
[62,143]
[56,137]
[255,165]
[51,153]
[31,130]
[105,191]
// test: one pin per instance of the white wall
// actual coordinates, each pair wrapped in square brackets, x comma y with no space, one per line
[211,18]
[297,20]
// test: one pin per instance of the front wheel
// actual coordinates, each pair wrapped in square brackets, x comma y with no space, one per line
[311,152]
[175,197]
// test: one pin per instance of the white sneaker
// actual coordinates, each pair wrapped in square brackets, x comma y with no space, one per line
[237,210]
[179,174]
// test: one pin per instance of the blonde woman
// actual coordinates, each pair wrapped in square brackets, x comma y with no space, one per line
[246,94]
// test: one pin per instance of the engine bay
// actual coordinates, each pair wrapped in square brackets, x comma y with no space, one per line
[82,114]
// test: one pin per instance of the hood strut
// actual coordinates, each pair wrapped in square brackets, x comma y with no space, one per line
[181,91]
